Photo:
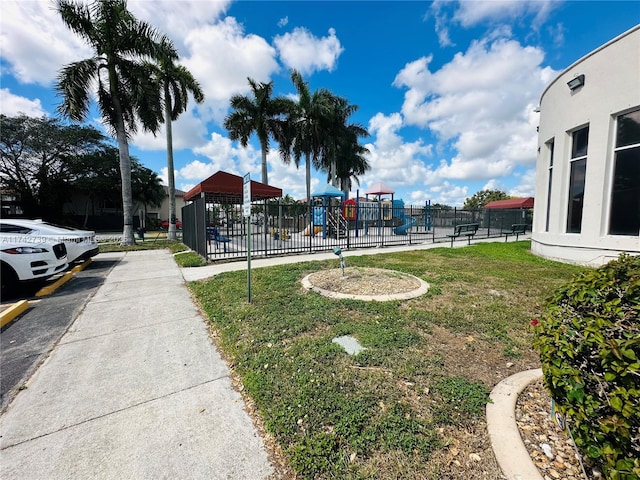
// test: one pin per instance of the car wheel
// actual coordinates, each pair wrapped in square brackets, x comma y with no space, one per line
[8,281]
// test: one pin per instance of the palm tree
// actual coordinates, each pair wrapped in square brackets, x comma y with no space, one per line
[261,115]
[176,83]
[126,90]
[339,133]
[303,134]
[351,161]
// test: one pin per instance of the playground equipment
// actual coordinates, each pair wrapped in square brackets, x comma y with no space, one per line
[279,233]
[307,231]
[318,222]
[406,222]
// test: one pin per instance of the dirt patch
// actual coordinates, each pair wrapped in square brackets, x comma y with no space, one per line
[364,281]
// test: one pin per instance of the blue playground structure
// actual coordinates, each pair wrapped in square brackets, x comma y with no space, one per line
[406,222]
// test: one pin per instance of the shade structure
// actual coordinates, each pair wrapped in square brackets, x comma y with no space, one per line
[224,187]
[379,188]
[524,202]
[328,191]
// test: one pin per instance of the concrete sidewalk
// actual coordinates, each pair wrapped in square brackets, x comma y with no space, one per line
[134,390]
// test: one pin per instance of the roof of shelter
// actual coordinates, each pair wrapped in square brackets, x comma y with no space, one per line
[328,191]
[524,202]
[223,187]
[379,188]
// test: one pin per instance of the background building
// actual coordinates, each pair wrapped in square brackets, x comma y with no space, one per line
[587,207]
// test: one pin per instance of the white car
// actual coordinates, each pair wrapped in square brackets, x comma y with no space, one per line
[81,244]
[22,259]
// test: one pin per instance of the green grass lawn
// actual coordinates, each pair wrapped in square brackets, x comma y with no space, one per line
[412,404]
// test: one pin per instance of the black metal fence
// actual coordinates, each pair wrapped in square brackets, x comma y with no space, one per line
[220,232]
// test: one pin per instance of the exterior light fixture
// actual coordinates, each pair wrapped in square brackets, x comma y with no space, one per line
[576,82]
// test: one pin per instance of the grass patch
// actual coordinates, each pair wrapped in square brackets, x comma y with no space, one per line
[172,245]
[429,361]
[189,259]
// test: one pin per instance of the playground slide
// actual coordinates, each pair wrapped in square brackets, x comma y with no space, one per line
[404,228]
[307,231]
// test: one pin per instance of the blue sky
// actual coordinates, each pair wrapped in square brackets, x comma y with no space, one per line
[446,89]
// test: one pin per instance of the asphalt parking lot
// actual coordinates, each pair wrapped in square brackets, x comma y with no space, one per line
[26,341]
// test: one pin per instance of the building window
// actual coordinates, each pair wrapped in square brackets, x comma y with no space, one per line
[550,146]
[580,142]
[624,217]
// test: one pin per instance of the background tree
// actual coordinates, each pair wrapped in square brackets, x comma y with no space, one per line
[127,92]
[261,115]
[350,160]
[96,178]
[177,83]
[441,206]
[337,133]
[38,158]
[481,198]
[302,133]
[146,188]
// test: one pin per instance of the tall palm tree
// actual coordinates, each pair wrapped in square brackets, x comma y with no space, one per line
[351,161]
[261,115]
[303,133]
[126,90]
[337,132]
[176,83]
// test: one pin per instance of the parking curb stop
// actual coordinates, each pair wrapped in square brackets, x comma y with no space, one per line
[49,289]
[13,312]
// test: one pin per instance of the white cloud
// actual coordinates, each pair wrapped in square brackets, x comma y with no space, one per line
[197,170]
[445,193]
[393,160]
[221,57]
[283,22]
[14,105]
[526,186]
[35,42]
[467,14]
[290,179]
[187,132]
[480,104]
[471,13]
[229,156]
[301,50]
[193,15]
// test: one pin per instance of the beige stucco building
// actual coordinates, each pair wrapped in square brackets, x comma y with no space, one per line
[587,192]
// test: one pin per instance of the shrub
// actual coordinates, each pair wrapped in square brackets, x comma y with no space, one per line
[589,344]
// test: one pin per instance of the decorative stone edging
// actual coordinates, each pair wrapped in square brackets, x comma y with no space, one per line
[421,290]
[508,447]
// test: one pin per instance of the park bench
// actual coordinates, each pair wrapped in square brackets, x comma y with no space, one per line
[214,234]
[465,229]
[516,229]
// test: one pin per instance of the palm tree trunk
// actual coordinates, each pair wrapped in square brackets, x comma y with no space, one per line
[308,168]
[332,172]
[264,166]
[125,161]
[127,194]
[171,234]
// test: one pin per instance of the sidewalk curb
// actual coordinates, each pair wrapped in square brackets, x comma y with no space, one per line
[512,455]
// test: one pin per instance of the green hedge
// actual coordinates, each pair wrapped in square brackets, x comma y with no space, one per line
[589,344]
